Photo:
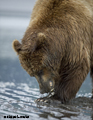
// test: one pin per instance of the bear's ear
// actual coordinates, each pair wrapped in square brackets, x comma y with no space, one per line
[30,47]
[41,40]
[34,45]
[16,46]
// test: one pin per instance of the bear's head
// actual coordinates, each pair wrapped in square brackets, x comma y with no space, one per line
[34,58]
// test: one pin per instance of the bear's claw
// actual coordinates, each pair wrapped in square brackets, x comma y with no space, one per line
[47,98]
[42,100]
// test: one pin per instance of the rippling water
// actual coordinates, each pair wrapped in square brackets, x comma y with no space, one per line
[18,99]
[18,90]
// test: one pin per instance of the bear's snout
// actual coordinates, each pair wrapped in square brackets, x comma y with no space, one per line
[45,80]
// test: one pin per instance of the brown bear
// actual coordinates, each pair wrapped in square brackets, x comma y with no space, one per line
[57,47]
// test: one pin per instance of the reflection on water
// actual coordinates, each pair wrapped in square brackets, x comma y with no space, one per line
[18,90]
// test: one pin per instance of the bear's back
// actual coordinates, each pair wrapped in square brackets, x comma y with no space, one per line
[52,12]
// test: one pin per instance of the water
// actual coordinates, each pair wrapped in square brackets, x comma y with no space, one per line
[18,90]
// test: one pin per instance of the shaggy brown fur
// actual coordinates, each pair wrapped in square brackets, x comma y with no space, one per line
[57,47]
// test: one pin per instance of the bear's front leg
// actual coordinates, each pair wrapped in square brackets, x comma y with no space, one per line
[70,83]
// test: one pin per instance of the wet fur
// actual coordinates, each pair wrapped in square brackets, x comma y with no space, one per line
[59,38]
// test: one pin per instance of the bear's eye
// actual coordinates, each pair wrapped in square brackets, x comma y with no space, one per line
[38,48]
[40,73]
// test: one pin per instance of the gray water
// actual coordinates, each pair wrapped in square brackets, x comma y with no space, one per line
[18,90]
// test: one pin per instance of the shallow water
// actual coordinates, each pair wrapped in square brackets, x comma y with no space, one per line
[18,90]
